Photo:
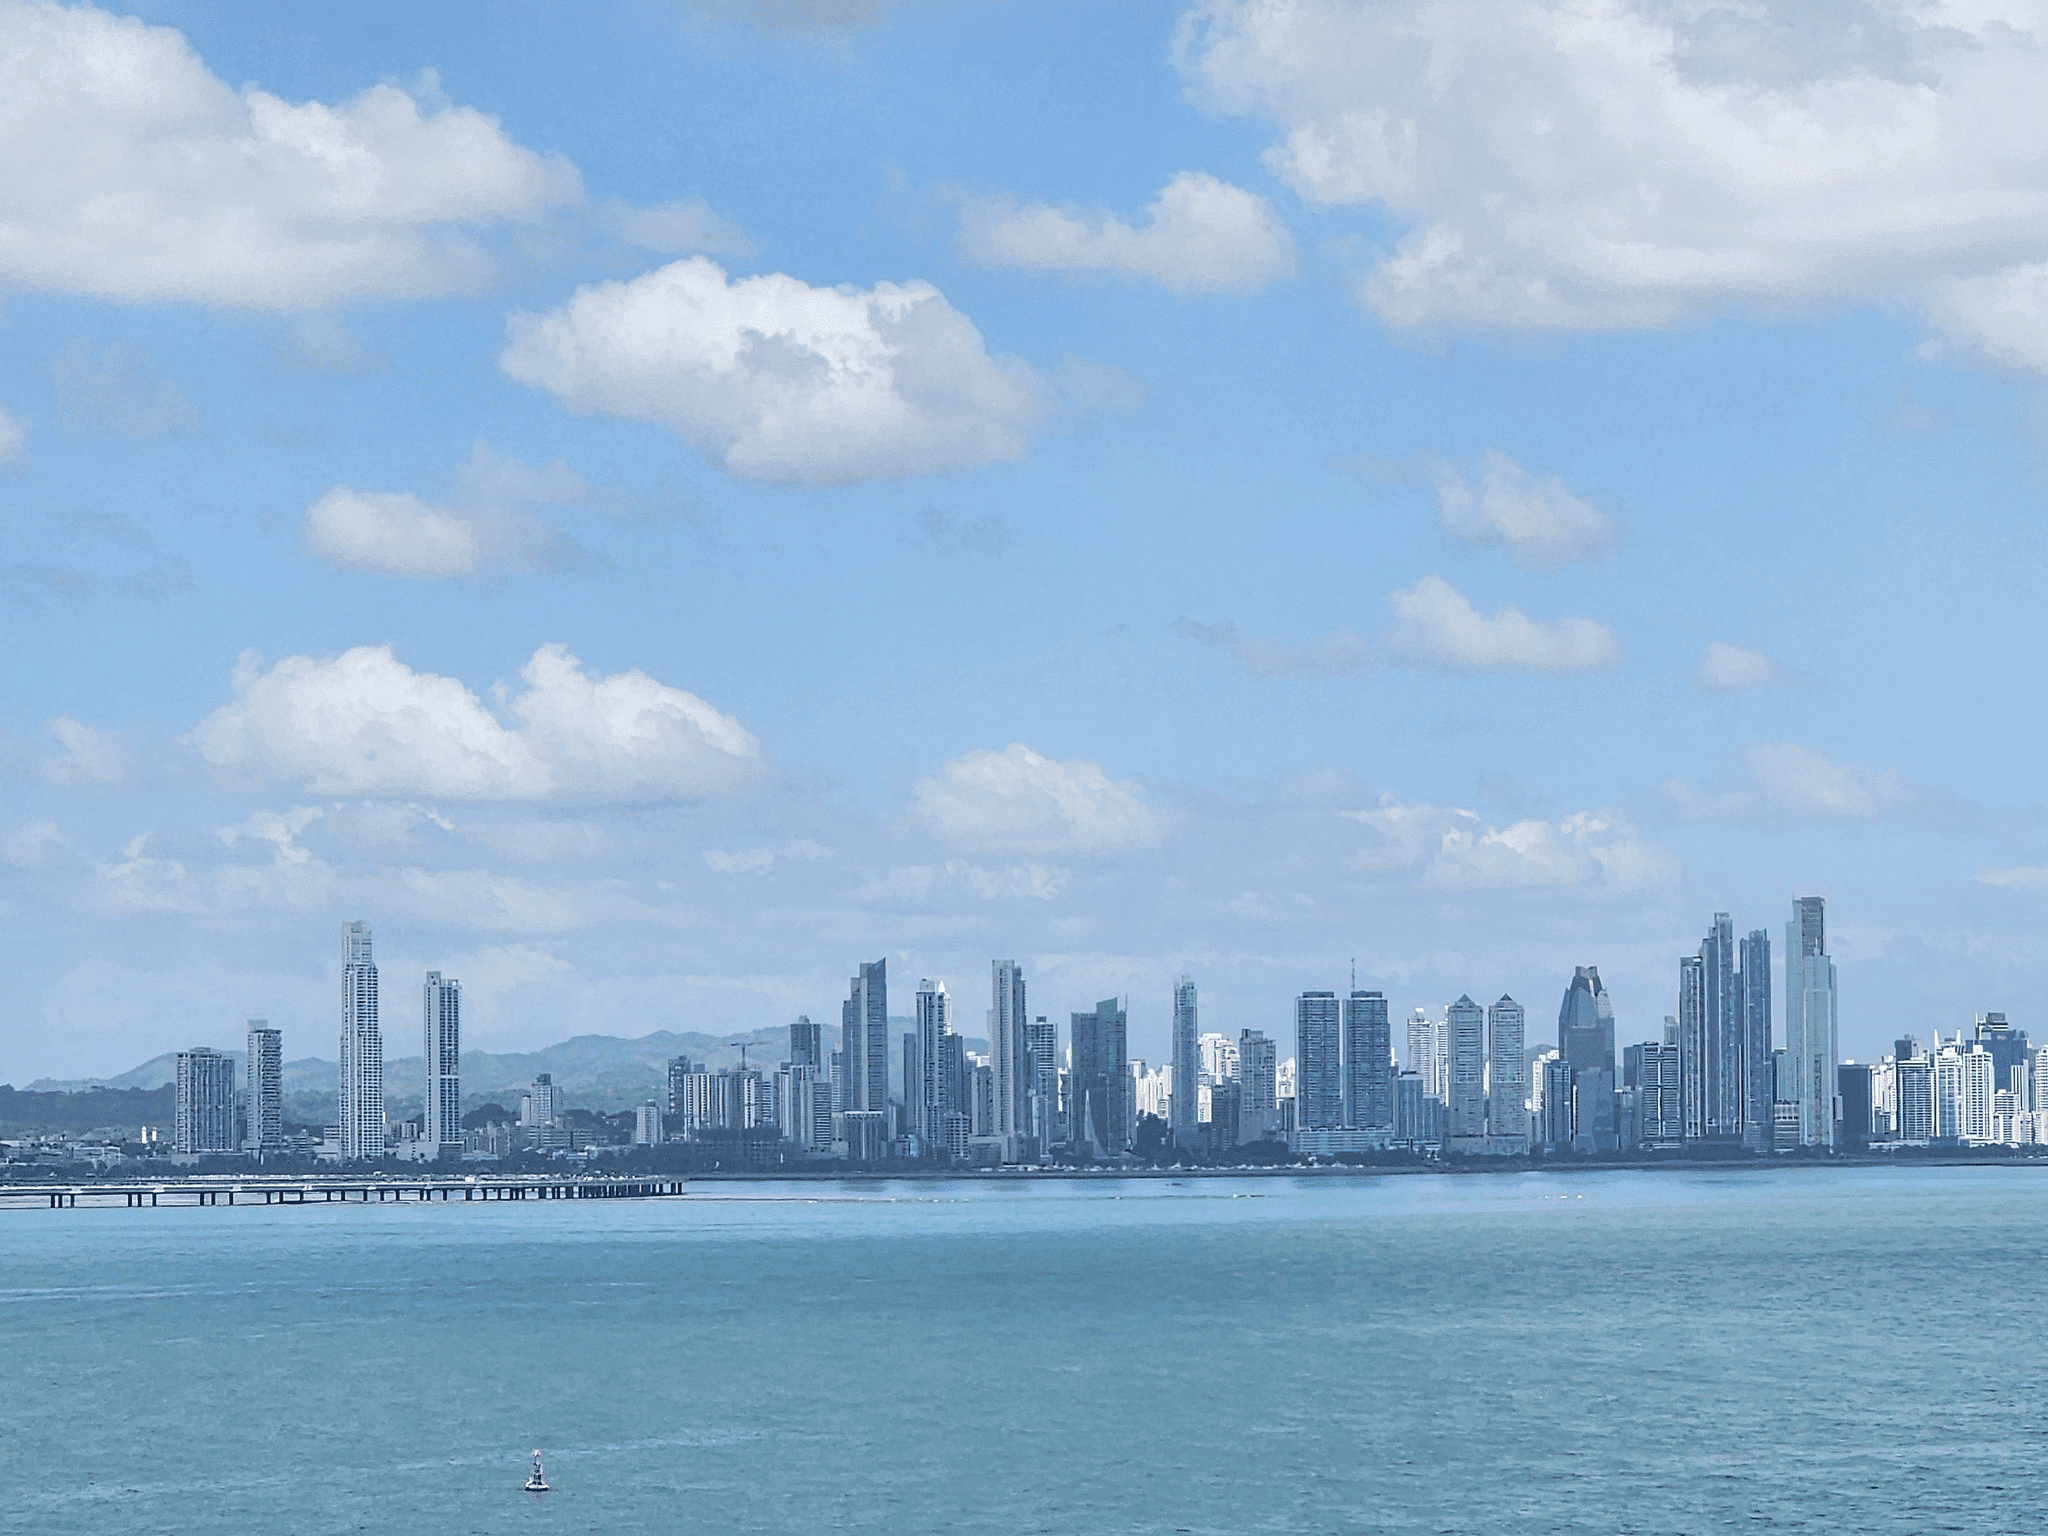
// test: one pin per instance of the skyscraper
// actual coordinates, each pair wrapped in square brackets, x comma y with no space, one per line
[1465,1109]
[1099,1090]
[864,1044]
[205,1102]
[263,1076]
[1692,1045]
[926,1066]
[806,1043]
[1319,1063]
[1810,1026]
[1043,1037]
[1186,1107]
[1723,1078]
[443,1021]
[1368,1063]
[1009,1048]
[1756,1041]
[362,1050]
[1585,1044]
[1507,1080]
[1258,1105]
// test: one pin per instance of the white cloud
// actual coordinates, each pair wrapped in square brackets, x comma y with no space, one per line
[687,226]
[778,380]
[1634,162]
[85,758]
[2021,877]
[1336,654]
[1532,519]
[364,723]
[1778,783]
[758,861]
[395,533]
[1200,235]
[1437,630]
[1015,801]
[1455,849]
[1729,668]
[13,437]
[134,173]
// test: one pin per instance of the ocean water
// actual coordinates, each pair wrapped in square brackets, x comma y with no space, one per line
[1836,1350]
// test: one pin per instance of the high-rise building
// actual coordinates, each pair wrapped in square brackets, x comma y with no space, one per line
[1043,1039]
[1009,1046]
[1811,1046]
[864,1047]
[647,1125]
[1258,1102]
[1856,1087]
[1465,1108]
[1722,1072]
[1507,1083]
[1187,1065]
[806,1043]
[1656,1071]
[205,1102]
[1368,1063]
[543,1107]
[263,1092]
[1692,1044]
[362,1050]
[1757,1077]
[927,1092]
[680,1071]
[1319,1063]
[2011,1051]
[1100,1091]
[443,1129]
[1217,1054]
[1585,1043]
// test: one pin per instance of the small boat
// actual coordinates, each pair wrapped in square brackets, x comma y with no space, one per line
[538,1482]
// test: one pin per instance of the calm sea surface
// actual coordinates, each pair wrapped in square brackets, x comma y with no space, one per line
[1832,1350]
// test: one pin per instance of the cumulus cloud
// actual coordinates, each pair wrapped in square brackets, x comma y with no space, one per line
[1200,235]
[1336,654]
[1633,163]
[136,174]
[1436,629]
[1729,668]
[395,533]
[364,723]
[1532,519]
[1776,783]
[1015,801]
[778,380]
[13,437]
[1456,849]
[84,757]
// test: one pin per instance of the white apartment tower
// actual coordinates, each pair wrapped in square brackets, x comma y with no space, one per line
[443,1129]
[362,1050]
[1009,1048]
[264,1088]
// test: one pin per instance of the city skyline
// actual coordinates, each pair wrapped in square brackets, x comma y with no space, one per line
[338,588]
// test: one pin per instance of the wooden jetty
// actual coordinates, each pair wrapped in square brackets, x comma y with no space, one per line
[217,1190]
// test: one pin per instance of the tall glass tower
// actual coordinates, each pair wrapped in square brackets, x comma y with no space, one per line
[1319,1058]
[864,1042]
[1465,1110]
[1186,1108]
[443,1051]
[264,1076]
[362,1050]
[1810,1031]
[1507,1077]
[1009,1048]
[1368,1063]
[1585,1043]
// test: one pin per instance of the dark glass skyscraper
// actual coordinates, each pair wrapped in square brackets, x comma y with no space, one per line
[1757,1091]
[1585,1043]
[1722,1079]
[1186,1108]
[1099,1078]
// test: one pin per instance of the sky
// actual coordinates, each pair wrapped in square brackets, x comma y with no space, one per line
[651,505]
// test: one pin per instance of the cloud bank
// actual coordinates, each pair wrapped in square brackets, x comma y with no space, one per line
[136,174]
[1634,163]
[364,723]
[483,528]
[1436,629]
[1199,235]
[777,380]
[1015,801]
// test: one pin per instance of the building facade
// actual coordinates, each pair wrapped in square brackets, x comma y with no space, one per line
[1507,1081]
[263,1089]
[1368,1063]
[864,1045]
[1319,1063]
[362,1050]
[205,1102]
[1185,1109]
[1811,1045]
[1100,1091]
[442,1131]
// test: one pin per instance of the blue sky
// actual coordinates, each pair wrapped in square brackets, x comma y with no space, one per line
[652,505]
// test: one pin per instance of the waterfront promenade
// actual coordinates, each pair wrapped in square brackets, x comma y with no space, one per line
[327,1191]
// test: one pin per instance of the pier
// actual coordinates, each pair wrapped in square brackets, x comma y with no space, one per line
[291,1191]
